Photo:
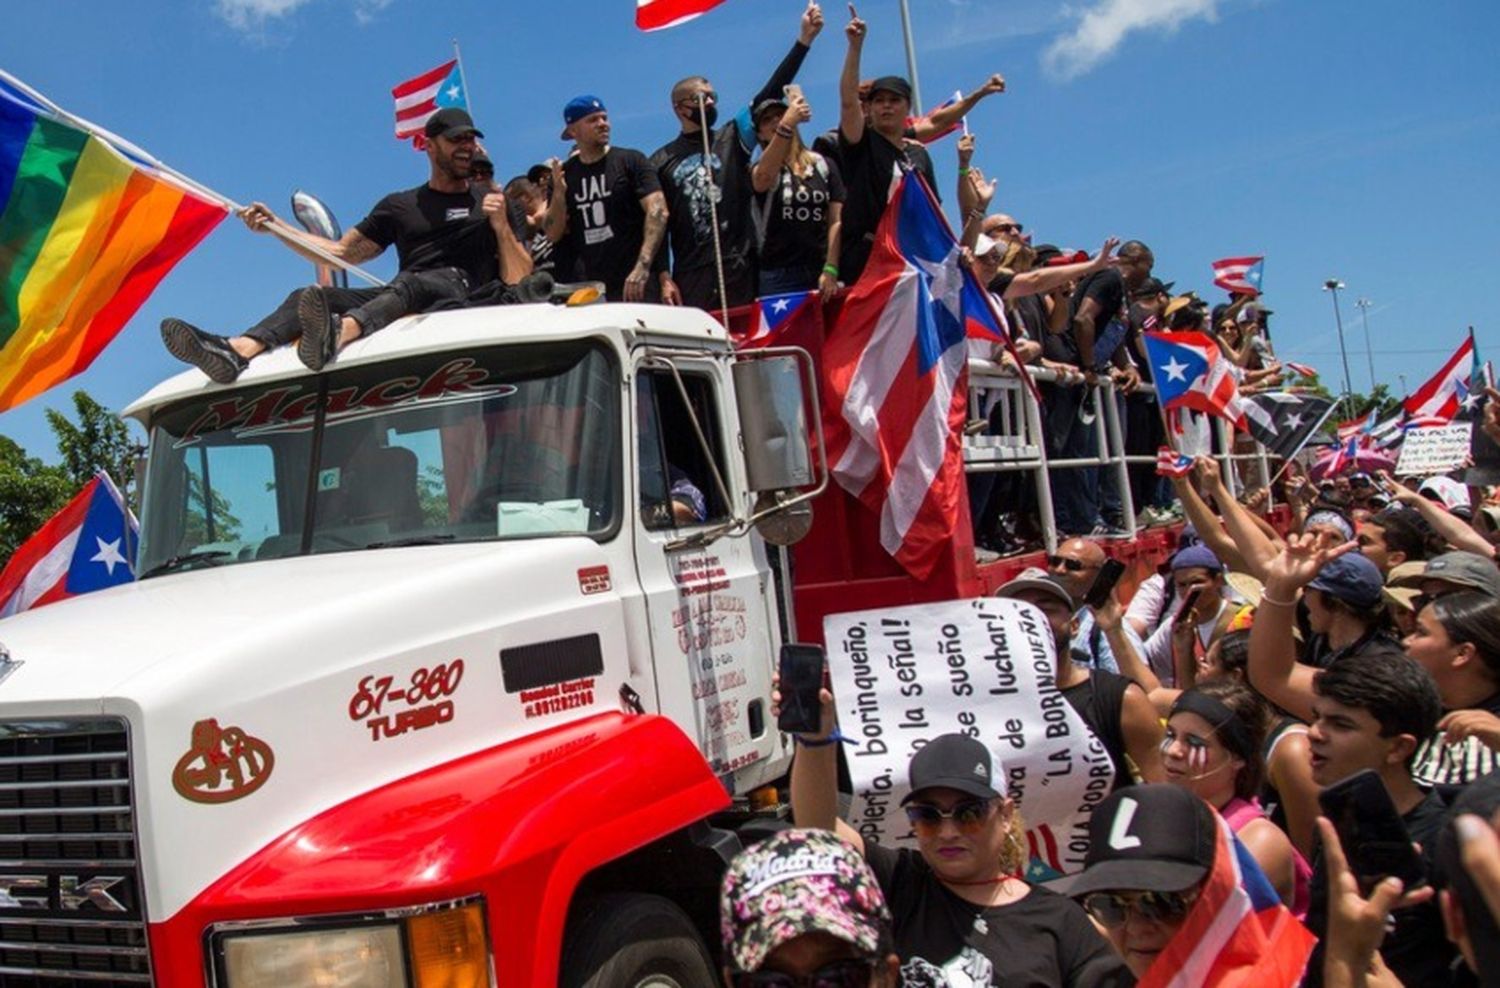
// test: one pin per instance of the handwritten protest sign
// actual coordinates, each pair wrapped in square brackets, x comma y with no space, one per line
[905,675]
[1435,449]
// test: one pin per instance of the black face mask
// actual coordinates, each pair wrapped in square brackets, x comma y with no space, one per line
[706,115]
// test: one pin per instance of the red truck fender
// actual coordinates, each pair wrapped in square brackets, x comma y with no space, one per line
[521,824]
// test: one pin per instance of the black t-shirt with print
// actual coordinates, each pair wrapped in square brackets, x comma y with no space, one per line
[606,223]
[794,216]
[871,169]
[1040,941]
[1107,288]
[433,229]
[1416,949]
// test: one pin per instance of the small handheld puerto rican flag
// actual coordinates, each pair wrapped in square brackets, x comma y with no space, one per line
[1239,275]
[1170,463]
[1306,370]
[773,314]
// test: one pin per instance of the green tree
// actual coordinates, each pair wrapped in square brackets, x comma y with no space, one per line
[30,493]
[99,441]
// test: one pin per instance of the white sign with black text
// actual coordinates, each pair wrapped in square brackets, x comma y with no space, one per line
[905,675]
[1433,450]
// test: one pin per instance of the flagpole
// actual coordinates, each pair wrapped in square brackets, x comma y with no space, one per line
[463,80]
[160,169]
[911,56]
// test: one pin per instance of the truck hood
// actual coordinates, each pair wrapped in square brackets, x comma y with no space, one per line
[183,624]
[258,695]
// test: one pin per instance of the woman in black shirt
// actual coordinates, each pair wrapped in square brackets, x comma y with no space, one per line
[964,915]
[799,202]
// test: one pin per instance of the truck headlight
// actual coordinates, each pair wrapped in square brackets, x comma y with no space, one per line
[444,948]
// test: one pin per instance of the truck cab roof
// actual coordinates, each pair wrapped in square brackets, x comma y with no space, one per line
[461,329]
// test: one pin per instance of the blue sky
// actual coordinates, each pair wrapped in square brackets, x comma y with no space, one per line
[1348,138]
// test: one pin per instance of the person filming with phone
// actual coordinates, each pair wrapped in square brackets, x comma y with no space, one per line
[963,913]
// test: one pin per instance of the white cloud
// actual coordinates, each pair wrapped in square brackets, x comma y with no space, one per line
[254,16]
[1102,27]
[250,15]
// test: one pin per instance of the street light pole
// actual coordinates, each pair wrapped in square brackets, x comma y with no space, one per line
[1333,285]
[1363,304]
[911,56]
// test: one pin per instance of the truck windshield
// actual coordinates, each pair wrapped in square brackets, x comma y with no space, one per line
[520,441]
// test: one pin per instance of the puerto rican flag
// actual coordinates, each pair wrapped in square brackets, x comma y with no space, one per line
[1239,275]
[897,370]
[1362,425]
[1170,463]
[1190,372]
[88,545]
[1306,370]
[1437,401]
[1345,455]
[653,15]
[1236,934]
[419,98]
[774,314]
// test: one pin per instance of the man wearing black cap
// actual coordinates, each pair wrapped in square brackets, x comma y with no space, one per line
[450,239]
[607,207]
[874,152]
[695,192]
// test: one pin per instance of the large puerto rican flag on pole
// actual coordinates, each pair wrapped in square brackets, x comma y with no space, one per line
[88,545]
[1240,275]
[1437,401]
[421,97]
[653,15]
[896,364]
[1190,372]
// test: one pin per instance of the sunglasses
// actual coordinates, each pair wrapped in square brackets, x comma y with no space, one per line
[1010,227]
[1071,565]
[852,973]
[708,97]
[968,816]
[1110,908]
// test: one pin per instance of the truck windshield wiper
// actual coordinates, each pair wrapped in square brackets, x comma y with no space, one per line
[210,557]
[412,540]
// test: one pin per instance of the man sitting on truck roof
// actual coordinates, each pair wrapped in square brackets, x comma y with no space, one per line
[450,238]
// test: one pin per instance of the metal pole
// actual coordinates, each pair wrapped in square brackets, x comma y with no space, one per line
[463,80]
[1363,304]
[1402,379]
[911,59]
[1333,285]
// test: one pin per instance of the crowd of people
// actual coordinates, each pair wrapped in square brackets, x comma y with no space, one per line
[1260,668]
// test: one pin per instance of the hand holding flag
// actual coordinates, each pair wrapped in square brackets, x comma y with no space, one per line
[1170,463]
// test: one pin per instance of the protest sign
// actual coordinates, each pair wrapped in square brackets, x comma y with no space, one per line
[1435,449]
[905,675]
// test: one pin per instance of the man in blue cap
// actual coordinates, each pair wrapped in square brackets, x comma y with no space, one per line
[607,208]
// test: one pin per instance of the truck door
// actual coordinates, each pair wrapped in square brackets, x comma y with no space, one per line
[708,607]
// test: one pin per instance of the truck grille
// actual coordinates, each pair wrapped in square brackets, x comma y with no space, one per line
[71,909]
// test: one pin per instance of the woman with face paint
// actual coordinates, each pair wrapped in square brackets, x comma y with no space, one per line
[1213,747]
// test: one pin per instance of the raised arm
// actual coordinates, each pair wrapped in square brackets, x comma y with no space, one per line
[353,247]
[786,72]
[555,220]
[1111,621]
[1206,523]
[1273,667]
[763,176]
[814,782]
[1040,280]
[511,255]
[1453,529]
[1255,549]
[939,120]
[851,112]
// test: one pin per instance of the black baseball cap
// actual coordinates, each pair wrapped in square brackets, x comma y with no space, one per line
[892,84]
[953,761]
[451,122]
[481,161]
[1153,286]
[538,172]
[1148,838]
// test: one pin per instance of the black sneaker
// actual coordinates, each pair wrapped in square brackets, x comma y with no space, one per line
[209,353]
[320,329]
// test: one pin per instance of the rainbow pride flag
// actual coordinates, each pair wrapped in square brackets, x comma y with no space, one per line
[86,234]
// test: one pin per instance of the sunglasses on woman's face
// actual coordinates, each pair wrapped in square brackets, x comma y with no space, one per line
[968,816]
[1110,908]
[852,973]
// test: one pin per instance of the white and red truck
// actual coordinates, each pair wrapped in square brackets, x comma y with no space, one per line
[449,666]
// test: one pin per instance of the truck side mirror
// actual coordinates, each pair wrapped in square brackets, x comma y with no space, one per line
[772,400]
[773,420]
